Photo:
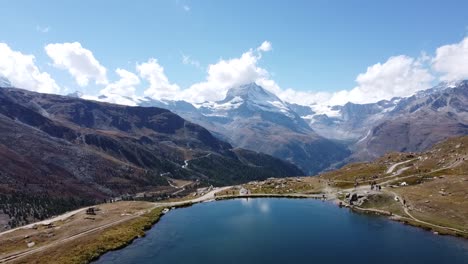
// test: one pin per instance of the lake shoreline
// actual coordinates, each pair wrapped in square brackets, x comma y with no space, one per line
[289,196]
[88,255]
[354,209]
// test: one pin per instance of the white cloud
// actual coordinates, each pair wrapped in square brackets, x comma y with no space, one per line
[123,90]
[452,61]
[266,46]
[187,60]
[399,76]
[229,73]
[160,87]
[79,62]
[42,29]
[304,98]
[21,70]
[186,8]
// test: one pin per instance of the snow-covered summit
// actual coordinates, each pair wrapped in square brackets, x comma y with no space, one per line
[252,97]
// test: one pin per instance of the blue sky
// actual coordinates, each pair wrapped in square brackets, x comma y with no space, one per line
[316,45]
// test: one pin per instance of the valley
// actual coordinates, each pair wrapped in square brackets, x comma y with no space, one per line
[430,193]
[323,137]
[60,153]
[215,132]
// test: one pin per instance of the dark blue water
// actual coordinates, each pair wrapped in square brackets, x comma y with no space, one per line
[285,231]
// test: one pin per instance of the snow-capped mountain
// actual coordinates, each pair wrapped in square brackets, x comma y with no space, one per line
[413,123]
[418,122]
[315,136]
[250,96]
[252,100]
[353,122]
[254,118]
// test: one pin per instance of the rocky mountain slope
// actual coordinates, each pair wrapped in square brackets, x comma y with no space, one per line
[425,189]
[253,118]
[430,186]
[402,124]
[418,122]
[62,147]
[318,137]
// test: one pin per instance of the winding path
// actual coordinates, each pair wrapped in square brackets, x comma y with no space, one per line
[406,209]
[392,168]
[186,162]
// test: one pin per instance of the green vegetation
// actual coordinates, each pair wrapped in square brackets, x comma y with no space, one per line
[355,171]
[224,171]
[383,202]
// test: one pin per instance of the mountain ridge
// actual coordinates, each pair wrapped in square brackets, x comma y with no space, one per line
[78,151]
[252,117]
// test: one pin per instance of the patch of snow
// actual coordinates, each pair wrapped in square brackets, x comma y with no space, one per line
[216,115]
[282,108]
[389,109]
[232,104]
[325,110]
[367,135]
[114,99]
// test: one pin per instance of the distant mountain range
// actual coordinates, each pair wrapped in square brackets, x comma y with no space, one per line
[56,149]
[413,123]
[254,118]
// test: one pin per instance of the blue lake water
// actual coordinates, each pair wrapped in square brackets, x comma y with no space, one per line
[273,231]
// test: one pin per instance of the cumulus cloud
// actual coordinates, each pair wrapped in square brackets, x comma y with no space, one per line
[396,77]
[79,62]
[230,73]
[452,61]
[399,76]
[303,97]
[21,70]
[123,90]
[160,87]
[266,46]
